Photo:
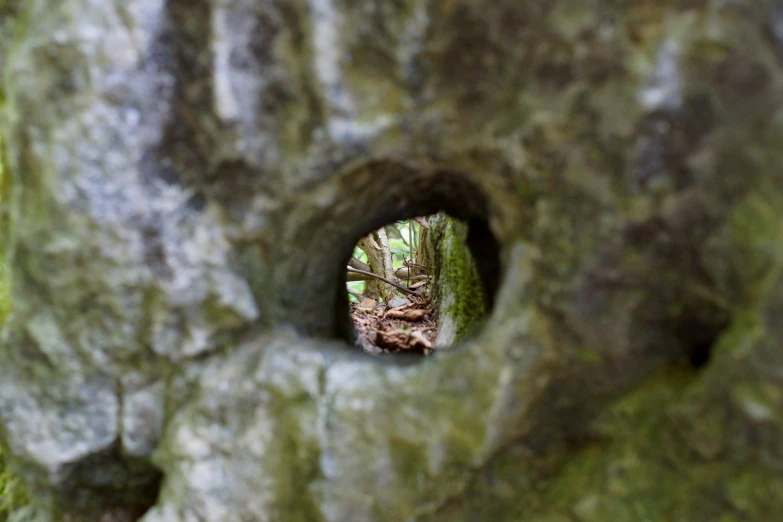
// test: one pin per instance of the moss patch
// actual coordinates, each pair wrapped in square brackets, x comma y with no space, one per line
[13,494]
[457,289]
[5,304]
[635,468]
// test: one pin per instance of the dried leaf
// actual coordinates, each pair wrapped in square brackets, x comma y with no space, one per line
[368,303]
[408,315]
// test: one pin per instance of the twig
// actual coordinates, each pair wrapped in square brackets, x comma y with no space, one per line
[388,282]
[410,249]
[359,265]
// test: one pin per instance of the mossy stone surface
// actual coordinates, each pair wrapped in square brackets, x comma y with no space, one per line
[189,177]
[456,292]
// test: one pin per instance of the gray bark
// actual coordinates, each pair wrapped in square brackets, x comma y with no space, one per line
[376,247]
[188,178]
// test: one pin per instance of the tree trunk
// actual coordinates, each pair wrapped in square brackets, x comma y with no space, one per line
[379,258]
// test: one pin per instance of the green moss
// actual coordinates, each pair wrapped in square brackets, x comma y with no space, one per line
[5,305]
[640,470]
[468,307]
[640,463]
[755,227]
[458,292]
[13,494]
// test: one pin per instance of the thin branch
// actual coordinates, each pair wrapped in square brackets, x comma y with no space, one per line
[359,265]
[410,249]
[387,281]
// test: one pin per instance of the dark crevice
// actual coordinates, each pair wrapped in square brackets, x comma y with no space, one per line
[124,489]
[149,494]
[699,355]
[699,338]
[486,252]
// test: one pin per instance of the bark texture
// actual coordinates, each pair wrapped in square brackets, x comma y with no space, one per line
[376,247]
[189,178]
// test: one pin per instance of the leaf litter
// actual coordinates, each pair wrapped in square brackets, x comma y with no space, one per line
[409,328]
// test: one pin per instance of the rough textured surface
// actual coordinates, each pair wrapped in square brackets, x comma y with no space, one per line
[457,291]
[189,177]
